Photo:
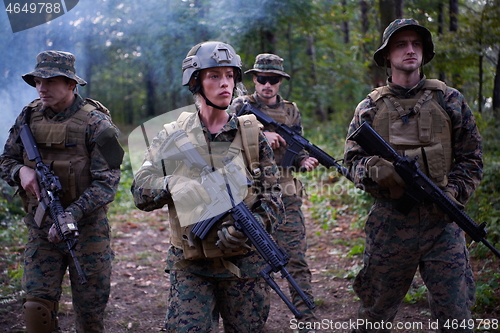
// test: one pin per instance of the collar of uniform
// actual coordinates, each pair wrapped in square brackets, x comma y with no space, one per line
[195,123]
[260,104]
[68,112]
[403,92]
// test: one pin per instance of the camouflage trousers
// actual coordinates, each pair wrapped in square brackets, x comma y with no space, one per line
[291,236]
[396,245]
[45,265]
[196,301]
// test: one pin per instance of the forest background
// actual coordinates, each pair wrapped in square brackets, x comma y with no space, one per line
[130,53]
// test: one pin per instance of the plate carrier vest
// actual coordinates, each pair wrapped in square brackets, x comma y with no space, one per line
[417,126]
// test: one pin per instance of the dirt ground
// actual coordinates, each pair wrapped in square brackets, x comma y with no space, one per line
[140,285]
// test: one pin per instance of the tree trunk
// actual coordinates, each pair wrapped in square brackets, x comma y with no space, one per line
[311,52]
[387,15]
[442,75]
[345,23]
[496,90]
[456,78]
[150,93]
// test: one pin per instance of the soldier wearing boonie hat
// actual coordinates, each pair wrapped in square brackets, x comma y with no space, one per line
[400,25]
[78,141]
[425,119]
[268,63]
[268,72]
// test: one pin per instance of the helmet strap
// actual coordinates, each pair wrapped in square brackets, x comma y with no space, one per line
[197,89]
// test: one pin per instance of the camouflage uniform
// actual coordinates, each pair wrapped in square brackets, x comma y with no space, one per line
[46,262]
[202,289]
[291,235]
[396,245]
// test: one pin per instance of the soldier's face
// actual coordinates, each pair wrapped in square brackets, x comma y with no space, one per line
[218,84]
[405,51]
[55,92]
[266,90]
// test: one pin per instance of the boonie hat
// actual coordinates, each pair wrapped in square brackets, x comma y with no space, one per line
[51,64]
[268,63]
[400,25]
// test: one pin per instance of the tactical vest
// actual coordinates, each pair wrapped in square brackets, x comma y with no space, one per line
[62,147]
[246,142]
[417,126]
[283,115]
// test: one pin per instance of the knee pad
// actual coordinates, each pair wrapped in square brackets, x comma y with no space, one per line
[40,315]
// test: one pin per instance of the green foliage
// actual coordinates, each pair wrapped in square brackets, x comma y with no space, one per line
[124,200]
[13,235]
[488,288]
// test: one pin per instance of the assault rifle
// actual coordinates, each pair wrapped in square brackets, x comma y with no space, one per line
[418,186]
[220,185]
[295,142]
[50,190]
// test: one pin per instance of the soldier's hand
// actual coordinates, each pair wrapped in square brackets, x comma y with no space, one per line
[275,140]
[67,224]
[187,192]
[451,194]
[383,173]
[29,181]
[309,163]
[231,238]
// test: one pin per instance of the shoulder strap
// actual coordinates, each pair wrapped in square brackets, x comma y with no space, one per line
[249,129]
[92,104]
[175,125]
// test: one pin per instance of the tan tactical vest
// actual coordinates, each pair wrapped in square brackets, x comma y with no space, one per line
[417,126]
[62,146]
[289,185]
[247,143]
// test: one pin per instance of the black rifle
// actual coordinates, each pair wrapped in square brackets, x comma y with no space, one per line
[418,187]
[295,142]
[220,185]
[50,190]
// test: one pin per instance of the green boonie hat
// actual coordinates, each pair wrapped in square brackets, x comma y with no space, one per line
[268,63]
[51,64]
[400,25]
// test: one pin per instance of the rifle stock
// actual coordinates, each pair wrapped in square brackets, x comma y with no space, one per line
[295,142]
[50,189]
[418,186]
[245,221]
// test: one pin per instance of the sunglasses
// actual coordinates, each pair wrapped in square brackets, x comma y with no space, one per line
[271,79]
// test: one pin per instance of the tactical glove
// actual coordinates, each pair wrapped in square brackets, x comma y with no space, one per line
[189,198]
[450,193]
[230,238]
[67,224]
[383,173]
[187,192]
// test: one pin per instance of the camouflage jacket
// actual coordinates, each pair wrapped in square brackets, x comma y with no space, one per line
[467,166]
[291,117]
[105,179]
[150,193]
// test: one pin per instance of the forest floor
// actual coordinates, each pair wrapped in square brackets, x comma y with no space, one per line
[140,285]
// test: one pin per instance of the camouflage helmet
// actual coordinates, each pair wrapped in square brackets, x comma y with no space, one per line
[400,25]
[208,55]
[51,64]
[268,63]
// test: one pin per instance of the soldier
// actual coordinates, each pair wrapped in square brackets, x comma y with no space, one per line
[220,274]
[268,73]
[77,138]
[425,118]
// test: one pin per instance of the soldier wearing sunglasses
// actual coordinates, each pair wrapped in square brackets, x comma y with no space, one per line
[268,74]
